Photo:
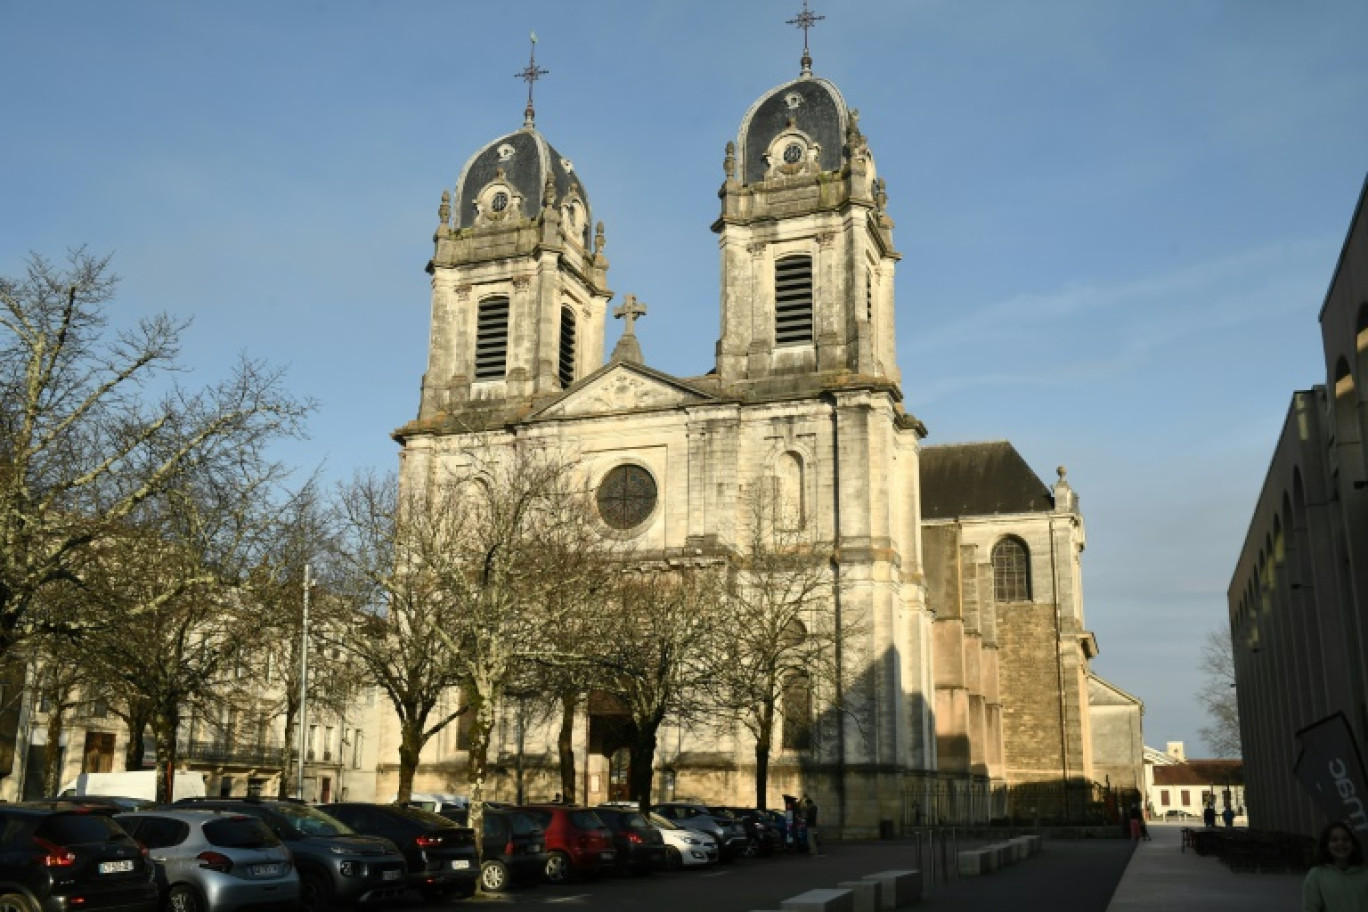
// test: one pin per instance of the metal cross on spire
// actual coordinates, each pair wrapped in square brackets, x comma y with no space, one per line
[805,21]
[530,74]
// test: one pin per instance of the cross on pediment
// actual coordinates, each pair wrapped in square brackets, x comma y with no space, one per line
[630,310]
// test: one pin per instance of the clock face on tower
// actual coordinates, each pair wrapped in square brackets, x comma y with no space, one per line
[500,202]
[792,153]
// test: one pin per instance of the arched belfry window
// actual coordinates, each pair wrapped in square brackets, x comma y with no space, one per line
[566,369]
[793,300]
[1011,571]
[491,339]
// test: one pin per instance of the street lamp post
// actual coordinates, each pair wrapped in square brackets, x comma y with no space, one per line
[304,682]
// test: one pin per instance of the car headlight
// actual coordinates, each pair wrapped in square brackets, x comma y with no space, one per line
[689,840]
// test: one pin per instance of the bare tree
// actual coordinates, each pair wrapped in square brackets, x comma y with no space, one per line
[666,646]
[783,640]
[1217,694]
[386,546]
[81,449]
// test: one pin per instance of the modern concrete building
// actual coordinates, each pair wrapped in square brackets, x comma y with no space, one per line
[1298,600]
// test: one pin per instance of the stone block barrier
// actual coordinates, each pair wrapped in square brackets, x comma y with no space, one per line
[867,894]
[897,889]
[820,901]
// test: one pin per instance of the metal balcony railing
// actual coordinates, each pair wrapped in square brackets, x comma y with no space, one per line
[236,753]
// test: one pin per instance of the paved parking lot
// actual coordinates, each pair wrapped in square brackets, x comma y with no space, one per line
[1078,875]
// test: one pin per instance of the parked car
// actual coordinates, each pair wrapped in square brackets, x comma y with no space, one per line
[514,850]
[116,803]
[762,838]
[1176,814]
[640,847]
[577,842]
[57,858]
[729,832]
[336,866]
[442,858]
[684,847]
[215,861]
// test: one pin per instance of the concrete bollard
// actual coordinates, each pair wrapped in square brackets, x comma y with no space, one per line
[820,901]
[865,892]
[898,889]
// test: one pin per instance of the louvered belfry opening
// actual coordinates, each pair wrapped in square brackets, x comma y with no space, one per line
[566,369]
[491,339]
[793,301]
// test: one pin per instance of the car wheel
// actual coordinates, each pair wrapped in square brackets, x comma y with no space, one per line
[183,899]
[15,902]
[493,877]
[673,860]
[315,893]
[752,849]
[557,868]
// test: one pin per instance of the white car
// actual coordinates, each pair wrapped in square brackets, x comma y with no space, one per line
[683,847]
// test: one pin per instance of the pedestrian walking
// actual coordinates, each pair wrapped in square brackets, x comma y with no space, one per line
[810,819]
[1137,823]
[1337,882]
[1228,815]
[1209,816]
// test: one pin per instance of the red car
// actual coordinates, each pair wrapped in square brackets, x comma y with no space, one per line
[577,842]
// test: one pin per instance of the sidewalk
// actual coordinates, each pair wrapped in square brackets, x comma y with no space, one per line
[1163,878]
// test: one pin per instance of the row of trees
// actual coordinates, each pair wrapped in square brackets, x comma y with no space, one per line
[154,554]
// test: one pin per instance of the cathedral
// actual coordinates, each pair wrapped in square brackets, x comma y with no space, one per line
[960,564]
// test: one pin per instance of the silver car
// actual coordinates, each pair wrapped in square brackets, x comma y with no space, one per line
[215,861]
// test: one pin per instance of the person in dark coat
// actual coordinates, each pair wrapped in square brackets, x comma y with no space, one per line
[810,818]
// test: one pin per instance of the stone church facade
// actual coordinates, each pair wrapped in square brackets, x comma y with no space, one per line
[960,567]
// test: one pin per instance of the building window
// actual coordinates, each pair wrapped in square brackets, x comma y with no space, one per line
[566,372]
[491,339]
[1185,798]
[793,301]
[1165,798]
[626,496]
[797,705]
[1011,571]
[358,750]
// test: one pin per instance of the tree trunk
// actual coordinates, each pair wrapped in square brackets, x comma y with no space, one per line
[137,739]
[643,762]
[52,750]
[291,748]
[410,748]
[565,745]
[763,743]
[165,726]
[481,725]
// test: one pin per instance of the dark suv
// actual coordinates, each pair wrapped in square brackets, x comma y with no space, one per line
[514,850]
[640,847]
[337,867]
[54,858]
[441,856]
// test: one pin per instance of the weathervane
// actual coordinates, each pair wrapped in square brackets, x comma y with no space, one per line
[805,21]
[530,75]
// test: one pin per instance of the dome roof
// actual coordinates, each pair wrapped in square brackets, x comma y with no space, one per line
[519,163]
[808,104]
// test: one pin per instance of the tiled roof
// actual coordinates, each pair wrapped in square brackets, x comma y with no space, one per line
[977,479]
[1201,772]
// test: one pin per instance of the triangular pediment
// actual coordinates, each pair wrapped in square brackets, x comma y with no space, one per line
[623,387]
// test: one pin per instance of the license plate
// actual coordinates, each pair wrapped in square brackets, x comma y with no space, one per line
[265,870]
[460,864]
[391,875]
[115,867]
[609,856]
[533,849]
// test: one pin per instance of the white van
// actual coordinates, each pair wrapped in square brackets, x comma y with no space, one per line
[133,784]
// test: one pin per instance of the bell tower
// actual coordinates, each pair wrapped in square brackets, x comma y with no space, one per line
[519,278]
[806,244]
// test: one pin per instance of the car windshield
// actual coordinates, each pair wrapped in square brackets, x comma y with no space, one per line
[239,833]
[586,820]
[663,824]
[311,821]
[425,817]
[79,829]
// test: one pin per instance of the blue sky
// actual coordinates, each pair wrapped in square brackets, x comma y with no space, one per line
[1117,220]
